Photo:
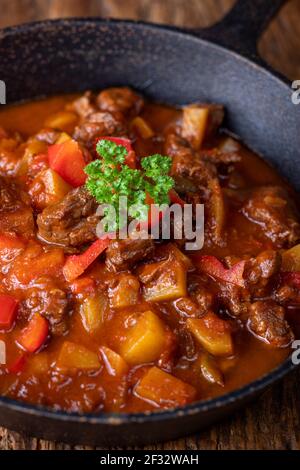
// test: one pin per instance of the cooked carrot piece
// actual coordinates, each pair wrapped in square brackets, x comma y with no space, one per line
[164,389]
[291,259]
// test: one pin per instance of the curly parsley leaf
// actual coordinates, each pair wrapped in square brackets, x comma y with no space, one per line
[109,178]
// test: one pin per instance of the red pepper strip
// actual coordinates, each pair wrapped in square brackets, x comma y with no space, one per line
[68,161]
[8,311]
[77,264]
[17,365]
[35,334]
[154,215]
[291,278]
[213,267]
[130,158]
[175,198]
[84,284]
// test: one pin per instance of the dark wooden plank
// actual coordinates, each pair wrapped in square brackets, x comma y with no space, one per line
[273,421]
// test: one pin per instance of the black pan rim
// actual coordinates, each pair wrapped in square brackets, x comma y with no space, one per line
[203,406]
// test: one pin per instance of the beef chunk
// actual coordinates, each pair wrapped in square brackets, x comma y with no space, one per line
[15,211]
[84,106]
[187,308]
[267,320]
[270,207]
[47,135]
[186,163]
[260,270]
[100,123]
[123,254]
[46,299]
[204,298]
[123,100]
[71,222]
[234,298]
[287,294]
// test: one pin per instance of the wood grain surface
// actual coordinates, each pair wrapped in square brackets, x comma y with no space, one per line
[272,422]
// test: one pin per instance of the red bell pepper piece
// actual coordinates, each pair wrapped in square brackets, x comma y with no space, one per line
[68,161]
[175,198]
[8,311]
[131,156]
[9,242]
[213,267]
[291,278]
[35,334]
[82,285]
[17,365]
[77,264]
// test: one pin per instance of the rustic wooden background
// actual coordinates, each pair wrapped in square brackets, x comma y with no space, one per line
[273,422]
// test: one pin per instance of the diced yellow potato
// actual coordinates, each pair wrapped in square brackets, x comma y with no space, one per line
[39,363]
[63,120]
[55,187]
[194,124]
[142,127]
[92,311]
[145,341]
[229,145]
[114,363]
[176,253]
[162,389]
[74,357]
[126,291]
[209,369]
[212,334]
[64,137]
[35,147]
[291,259]
[163,281]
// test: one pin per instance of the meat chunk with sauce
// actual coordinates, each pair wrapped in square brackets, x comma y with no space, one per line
[267,321]
[271,208]
[123,254]
[261,269]
[120,99]
[48,300]
[15,211]
[100,123]
[84,105]
[71,222]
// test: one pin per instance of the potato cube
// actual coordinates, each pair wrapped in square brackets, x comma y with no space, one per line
[92,311]
[165,280]
[145,340]
[194,125]
[62,120]
[125,291]
[212,333]
[209,369]
[114,363]
[164,389]
[73,356]
[291,259]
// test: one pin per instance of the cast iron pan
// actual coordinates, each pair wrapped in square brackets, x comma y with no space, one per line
[171,65]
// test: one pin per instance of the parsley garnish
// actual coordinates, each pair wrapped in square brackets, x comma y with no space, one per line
[109,178]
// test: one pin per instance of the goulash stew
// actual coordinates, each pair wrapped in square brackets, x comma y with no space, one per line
[91,324]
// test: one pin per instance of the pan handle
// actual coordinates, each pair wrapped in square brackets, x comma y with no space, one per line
[242,26]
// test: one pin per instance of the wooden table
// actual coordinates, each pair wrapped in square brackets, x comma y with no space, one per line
[273,422]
